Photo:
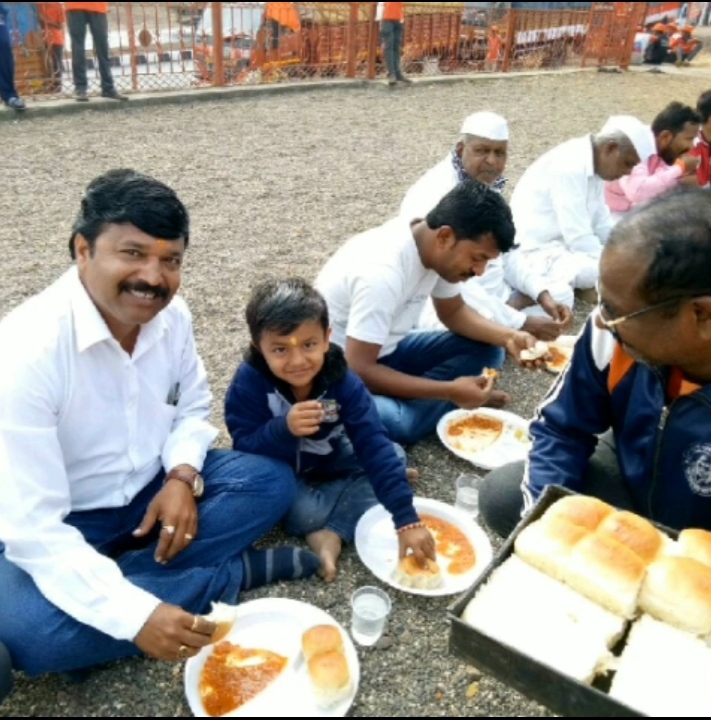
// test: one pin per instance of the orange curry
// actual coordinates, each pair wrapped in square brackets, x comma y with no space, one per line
[451,543]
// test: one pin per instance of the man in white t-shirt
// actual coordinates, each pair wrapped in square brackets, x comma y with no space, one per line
[376,286]
[480,154]
[119,524]
[559,209]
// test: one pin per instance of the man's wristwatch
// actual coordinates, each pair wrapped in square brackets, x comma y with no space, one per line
[192,478]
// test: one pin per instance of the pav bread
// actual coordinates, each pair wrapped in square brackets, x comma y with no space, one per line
[321,639]
[539,350]
[224,616]
[638,534]
[547,544]
[588,512]
[410,574]
[607,572]
[677,591]
[330,678]
[695,544]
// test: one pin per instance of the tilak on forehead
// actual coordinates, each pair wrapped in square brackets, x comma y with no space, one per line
[293,341]
[162,244]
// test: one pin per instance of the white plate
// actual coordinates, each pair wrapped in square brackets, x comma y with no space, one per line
[377,546]
[506,449]
[564,341]
[276,624]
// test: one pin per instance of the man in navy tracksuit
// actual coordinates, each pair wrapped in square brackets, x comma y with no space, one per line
[294,399]
[640,377]
[8,92]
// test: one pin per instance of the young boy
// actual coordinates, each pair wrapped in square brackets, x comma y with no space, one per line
[295,399]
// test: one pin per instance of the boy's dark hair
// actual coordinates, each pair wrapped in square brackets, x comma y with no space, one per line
[674,118]
[703,106]
[280,306]
[473,209]
[126,196]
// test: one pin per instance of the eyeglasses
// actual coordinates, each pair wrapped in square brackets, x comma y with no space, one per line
[613,322]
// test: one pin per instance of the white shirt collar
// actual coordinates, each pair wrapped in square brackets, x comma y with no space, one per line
[91,328]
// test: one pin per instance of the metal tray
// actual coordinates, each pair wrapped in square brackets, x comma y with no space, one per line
[560,693]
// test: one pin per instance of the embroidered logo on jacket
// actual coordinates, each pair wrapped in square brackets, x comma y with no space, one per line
[697,467]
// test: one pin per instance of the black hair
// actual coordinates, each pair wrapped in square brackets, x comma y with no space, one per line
[703,106]
[280,306]
[674,118]
[473,209]
[125,196]
[673,233]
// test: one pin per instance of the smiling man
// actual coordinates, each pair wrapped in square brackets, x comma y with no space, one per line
[376,286]
[119,525]
[640,377]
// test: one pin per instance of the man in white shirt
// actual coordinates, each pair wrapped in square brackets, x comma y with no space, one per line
[376,286]
[119,525]
[480,154]
[559,209]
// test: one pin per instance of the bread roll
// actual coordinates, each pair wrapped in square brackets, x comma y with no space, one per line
[321,639]
[547,544]
[224,616]
[663,672]
[409,574]
[695,544]
[588,512]
[638,534]
[330,678]
[677,590]
[607,572]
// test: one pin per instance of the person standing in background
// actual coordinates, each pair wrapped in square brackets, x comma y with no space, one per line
[8,92]
[391,16]
[94,15]
[52,18]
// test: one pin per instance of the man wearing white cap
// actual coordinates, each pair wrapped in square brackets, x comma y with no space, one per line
[480,154]
[561,217]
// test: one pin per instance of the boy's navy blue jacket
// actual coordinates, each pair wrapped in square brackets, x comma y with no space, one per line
[662,438]
[256,407]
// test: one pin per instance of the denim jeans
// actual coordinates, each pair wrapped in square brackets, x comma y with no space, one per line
[437,355]
[391,32]
[77,22]
[245,496]
[7,66]
[338,502]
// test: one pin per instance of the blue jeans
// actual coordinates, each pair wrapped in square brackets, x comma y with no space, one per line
[338,502]
[7,66]
[437,355]
[245,496]
[391,33]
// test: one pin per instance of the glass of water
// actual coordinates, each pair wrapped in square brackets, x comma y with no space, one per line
[371,607]
[467,498]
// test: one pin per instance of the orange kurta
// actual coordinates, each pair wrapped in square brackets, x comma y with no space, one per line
[97,7]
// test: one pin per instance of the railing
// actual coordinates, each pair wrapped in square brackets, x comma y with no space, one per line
[181,45]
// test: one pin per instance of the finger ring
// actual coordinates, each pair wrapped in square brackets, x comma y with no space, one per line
[188,536]
[183,653]
[170,529]
[194,626]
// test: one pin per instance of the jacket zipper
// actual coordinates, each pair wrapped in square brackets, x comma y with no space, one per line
[299,446]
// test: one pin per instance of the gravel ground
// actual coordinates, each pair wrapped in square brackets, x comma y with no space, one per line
[274,185]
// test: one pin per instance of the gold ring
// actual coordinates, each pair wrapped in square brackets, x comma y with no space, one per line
[188,536]
[196,621]
[170,529]
[183,653]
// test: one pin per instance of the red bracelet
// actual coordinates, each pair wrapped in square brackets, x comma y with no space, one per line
[412,526]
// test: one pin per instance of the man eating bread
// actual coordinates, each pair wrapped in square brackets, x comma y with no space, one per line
[629,419]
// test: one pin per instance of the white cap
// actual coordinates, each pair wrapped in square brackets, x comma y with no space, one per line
[487,125]
[639,134]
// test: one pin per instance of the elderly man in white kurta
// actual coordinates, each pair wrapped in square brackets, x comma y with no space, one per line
[480,154]
[561,218]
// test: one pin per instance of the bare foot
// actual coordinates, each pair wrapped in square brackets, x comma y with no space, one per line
[327,545]
[498,399]
[413,475]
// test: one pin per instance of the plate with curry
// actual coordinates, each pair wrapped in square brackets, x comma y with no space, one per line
[486,437]
[561,350]
[462,548]
[259,669]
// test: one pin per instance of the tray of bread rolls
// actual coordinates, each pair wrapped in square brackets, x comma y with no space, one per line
[594,612]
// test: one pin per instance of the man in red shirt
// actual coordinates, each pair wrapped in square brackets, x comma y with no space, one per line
[52,18]
[702,148]
[94,15]
[391,16]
